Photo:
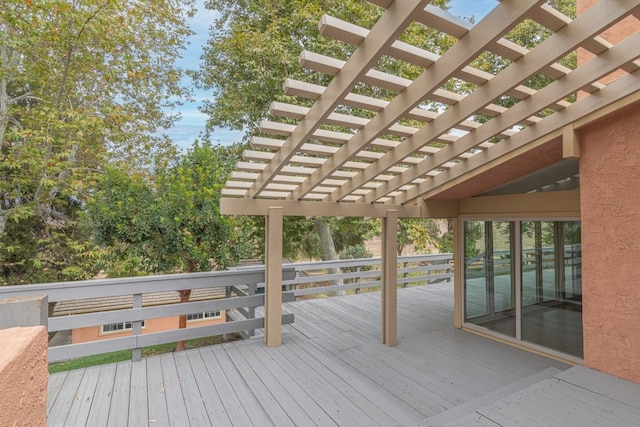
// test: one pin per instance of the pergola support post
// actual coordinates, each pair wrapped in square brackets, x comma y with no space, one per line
[458,272]
[390,278]
[273,278]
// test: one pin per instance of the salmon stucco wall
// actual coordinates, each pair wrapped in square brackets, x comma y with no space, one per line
[93,333]
[610,205]
[614,34]
[23,376]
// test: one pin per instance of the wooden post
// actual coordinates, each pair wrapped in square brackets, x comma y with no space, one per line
[136,353]
[24,311]
[458,272]
[390,278]
[273,278]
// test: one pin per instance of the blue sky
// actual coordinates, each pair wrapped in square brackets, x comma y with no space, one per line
[192,121]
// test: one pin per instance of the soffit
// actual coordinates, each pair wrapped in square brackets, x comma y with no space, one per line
[403,151]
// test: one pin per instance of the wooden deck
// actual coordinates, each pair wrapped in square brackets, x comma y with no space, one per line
[332,370]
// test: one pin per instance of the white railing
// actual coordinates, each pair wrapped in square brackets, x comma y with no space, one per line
[243,290]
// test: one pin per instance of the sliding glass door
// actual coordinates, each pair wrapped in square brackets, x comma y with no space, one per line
[523,280]
[489,273]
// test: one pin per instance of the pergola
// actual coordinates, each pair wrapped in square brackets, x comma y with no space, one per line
[406,161]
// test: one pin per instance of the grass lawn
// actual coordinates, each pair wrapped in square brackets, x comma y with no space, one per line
[119,356]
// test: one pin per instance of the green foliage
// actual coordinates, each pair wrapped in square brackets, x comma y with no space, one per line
[82,83]
[255,44]
[473,233]
[169,221]
[355,252]
[423,234]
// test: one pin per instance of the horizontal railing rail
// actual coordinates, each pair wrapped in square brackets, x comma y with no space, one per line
[135,287]
[243,291]
[330,277]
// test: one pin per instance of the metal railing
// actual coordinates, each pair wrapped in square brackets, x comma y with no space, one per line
[243,290]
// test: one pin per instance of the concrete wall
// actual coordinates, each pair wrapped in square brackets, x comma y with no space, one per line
[23,376]
[610,204]
[93,333]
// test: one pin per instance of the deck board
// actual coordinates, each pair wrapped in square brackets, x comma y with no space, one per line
[81,404]
[244,392]
[333,370]
[193,400]
[138,404]
[68,392]
[55,385]
[279,367]
[99,412]
[176,406]
[119,408]
[234,408]
[156,398]
[213,404]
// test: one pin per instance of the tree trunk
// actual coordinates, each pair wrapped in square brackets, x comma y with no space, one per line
[182,323]
[328,248]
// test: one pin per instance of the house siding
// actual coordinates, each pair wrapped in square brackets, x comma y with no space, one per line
[93,333]
[610,204]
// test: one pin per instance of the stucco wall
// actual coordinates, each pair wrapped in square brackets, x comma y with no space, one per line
[614,34]
[610,204]
[23,376]
[93,333]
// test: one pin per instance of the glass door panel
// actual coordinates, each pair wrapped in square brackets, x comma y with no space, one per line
[550,279]
[475,270]
[489,278]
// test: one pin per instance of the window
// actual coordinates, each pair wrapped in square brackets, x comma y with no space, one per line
[118,327]
[204,315]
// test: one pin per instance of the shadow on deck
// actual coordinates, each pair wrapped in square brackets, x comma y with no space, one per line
[333,370]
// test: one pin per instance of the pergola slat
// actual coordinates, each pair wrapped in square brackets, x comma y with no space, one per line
[391,24]
[586,25]
[476,41]
[402,151]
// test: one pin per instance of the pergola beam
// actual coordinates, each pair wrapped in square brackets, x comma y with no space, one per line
[238,206]
[623,91]
[591,71]
[585,26]
[399,15]
[498,22]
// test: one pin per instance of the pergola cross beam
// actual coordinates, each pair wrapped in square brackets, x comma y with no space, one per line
[399,15]
[498,22]
[586,26]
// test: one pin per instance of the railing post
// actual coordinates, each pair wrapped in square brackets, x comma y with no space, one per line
[358,269]
[136,329]
[24,311]
[390,278]
[252,310]
[406,274]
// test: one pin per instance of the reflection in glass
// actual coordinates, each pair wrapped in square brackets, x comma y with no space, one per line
[489,284]
[549,283]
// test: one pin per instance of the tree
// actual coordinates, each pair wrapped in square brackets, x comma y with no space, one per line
[170,221]
[82,83]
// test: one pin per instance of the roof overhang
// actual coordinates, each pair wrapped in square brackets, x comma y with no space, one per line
[390,163]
